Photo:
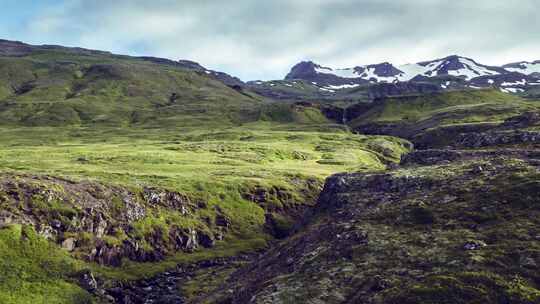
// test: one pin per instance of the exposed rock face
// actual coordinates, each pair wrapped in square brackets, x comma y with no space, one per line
[306,70]
[475,140]
[429,134]
[69,244]
[527,119]
[163,288]
[99,222]
[384,69]
[14,48]
[412,235]
[442,156]
[401,88]
[87,281]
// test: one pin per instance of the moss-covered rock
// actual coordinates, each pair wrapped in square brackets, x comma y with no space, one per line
[460,231]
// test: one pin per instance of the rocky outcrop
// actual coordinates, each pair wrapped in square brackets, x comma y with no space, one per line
[163,288]
[382,90]
[527,119]
[104,223]
[408,236]
[307,70]
[447,156]
[476,140]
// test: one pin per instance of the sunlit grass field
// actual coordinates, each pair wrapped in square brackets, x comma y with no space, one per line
[187,159]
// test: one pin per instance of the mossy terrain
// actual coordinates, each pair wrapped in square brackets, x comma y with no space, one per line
[36,271]
[454,107]
[101,151]
[435,119]
[460,232]
[56,86]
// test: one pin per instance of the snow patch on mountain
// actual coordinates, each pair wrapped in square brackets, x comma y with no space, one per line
[411,70]
[453,65]
[510,84]
[344,86]
[527,68]
[471,69]
[343,73]
[512,90]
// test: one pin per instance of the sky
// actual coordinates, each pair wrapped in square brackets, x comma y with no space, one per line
[263,39]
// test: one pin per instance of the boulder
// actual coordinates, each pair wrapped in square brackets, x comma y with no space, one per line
[69,244]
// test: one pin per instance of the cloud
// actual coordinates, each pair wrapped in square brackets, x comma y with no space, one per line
[263,39]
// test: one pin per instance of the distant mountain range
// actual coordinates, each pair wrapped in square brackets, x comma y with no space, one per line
[375,80]
[514,75]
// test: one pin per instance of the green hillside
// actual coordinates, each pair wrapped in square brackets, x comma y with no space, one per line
[446,108]
[85,134]
[58,86]
[434,119]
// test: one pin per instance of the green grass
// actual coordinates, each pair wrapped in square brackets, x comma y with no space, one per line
[469,287]
[59,88]
[187,160]
[217,166]
[36,271]
[450,108]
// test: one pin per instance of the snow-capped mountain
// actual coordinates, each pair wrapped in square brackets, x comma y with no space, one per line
[466,71]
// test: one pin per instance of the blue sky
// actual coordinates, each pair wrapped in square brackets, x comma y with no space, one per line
[15,15]
[256,39]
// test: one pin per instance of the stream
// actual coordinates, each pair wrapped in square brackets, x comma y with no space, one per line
[164,288]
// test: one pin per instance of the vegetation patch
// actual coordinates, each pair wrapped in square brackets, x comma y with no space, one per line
[36,271]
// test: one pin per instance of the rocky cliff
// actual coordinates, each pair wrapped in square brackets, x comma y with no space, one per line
[462,228]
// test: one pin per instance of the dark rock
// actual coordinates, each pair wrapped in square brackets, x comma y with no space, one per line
[87,281]
[56,224]
[206,240]
[222,221]
[527,119]
[473,245]
[476,140]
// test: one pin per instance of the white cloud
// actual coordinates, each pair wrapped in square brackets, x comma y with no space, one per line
[263,39]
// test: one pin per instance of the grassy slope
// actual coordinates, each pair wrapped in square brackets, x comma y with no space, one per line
[57,87]
[111,119]
[182,159]
[450,108]
[35,271]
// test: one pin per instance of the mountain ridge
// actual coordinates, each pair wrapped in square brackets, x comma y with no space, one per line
[310,80]
[453,65]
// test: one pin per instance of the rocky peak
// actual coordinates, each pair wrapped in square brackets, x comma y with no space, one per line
[301,70]
[384,69]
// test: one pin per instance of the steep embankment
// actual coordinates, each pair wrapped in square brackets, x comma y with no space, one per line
[447,227]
